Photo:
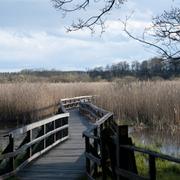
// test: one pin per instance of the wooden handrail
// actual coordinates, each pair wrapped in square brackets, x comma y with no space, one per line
[77,98]
[25,146]
[152,153]
[69,103]
[122,151]
[94,151]
[34,125]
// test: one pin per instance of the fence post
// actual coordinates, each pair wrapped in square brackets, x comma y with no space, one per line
[54,127]
[125,158]
[29,136]
[11,149]
[96,150]
[103,151]
[152,167]
[44,132]
[87,148]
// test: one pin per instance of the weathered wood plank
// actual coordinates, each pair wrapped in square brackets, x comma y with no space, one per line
[76,98]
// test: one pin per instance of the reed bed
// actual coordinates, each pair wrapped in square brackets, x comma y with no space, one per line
[145,103]
[19,100]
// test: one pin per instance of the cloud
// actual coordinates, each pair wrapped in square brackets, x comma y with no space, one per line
[32,35]
[40,49]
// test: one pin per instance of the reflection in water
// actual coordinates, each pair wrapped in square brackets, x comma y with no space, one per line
[166,142]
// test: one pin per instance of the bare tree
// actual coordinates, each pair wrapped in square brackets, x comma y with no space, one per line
[163,35]
[68,6]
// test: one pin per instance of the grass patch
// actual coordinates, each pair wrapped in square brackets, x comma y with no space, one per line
[166,170]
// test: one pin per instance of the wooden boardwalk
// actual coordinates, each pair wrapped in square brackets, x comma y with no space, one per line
[70,159]
[65,161]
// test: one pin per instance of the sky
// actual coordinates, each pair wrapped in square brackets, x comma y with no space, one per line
[33,36]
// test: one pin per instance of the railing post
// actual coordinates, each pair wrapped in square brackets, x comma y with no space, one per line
[96,150]
[11,149]
[152,167]
[88,164]
[103,153]
[44,132]
[68,127]
[125,158]
[54,127]
[122,138]
[29,136]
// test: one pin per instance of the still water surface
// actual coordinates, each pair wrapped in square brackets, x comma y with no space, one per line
[166,142]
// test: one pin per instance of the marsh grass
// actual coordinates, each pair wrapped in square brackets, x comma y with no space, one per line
[165,170]
[144,103]
[19,100]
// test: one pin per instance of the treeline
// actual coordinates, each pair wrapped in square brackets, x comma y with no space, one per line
[54,76]
[148,69]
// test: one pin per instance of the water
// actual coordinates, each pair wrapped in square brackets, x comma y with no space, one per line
[4,130]
[166,142]
[3,140]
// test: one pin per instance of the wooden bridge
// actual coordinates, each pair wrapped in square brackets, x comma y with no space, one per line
[54,148]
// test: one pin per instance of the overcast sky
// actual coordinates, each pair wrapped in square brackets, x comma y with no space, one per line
[33,35]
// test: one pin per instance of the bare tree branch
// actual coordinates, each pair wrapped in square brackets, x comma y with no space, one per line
[67,6]
[163,35]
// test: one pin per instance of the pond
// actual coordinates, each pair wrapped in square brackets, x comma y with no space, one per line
[165,142]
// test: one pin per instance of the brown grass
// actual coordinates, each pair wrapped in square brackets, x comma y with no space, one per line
[150,103]
[18,100]
[145,103]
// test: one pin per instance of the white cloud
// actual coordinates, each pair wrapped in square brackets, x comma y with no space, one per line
[33,35]
[41,49]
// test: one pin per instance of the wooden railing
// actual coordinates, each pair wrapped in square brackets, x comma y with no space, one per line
[38,138]
[69,103]
[152,156]
[110,152]
[94,147]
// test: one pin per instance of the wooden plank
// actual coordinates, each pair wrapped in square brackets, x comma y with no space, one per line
[55,175]
[104,118]
[78,97]
[152,153]
[59,166]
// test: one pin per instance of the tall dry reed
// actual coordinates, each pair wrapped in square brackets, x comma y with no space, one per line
[149,103]
[19,100]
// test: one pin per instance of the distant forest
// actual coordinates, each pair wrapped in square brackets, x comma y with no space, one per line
[155,67]
[149,69]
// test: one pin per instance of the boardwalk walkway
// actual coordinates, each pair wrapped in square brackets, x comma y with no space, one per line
[66,161]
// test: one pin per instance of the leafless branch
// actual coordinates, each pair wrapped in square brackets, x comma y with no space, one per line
[164,36]
[67,6]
